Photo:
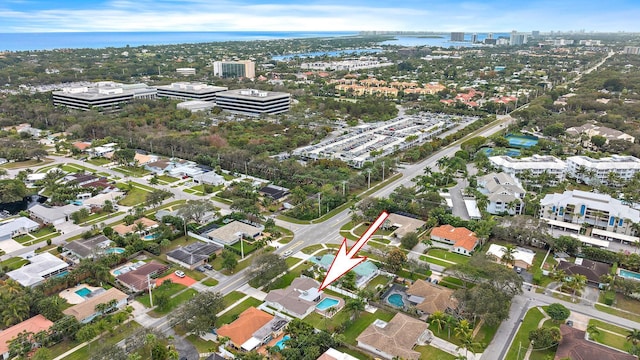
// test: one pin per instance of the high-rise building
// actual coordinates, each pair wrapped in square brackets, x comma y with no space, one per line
[235,69]
[517,39]
[474,38]
[457,36]
[535,34]
[632,50]
[490,36]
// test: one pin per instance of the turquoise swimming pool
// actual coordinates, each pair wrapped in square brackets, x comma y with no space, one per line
[151,236]
[395,300]
[326,303]
[629,274]
[280,344]
[114,251]
[83,292]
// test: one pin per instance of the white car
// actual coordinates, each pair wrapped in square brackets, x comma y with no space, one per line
[287,253]
[179,273]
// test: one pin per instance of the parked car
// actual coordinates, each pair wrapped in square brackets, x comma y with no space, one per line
[287,253]
[570,323]
[200,268]
[179,273]
[207,266]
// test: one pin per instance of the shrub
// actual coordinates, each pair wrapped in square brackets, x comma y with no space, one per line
[609,297]
[537,277]
[558,312]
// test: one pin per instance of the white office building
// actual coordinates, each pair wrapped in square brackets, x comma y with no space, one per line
[536,165]
[190,91]
[599,215]
[186,71]
[254,102]
[104,95]
[611,171]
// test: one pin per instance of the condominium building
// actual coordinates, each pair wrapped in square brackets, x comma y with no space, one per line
[535,165]
[611,171]
[504,193]
[632,50]
[104,95]
[235,69]
[190,91]
[186,71]
[600,214]
[254,102]
[457,36]
[590,130]
[517,38]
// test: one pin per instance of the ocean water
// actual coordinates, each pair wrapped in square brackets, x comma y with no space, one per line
[443,41]
[98,40]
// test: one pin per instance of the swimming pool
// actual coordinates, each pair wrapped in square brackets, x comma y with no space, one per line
[114,250]
[395,300]
[629,274]
[280,344]
[326,303]
[151,236]
[122,270]
[83,292]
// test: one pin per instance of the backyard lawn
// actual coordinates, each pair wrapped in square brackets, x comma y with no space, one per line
[432,353]
[448,256]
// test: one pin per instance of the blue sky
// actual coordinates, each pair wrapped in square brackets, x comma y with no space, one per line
[333,15]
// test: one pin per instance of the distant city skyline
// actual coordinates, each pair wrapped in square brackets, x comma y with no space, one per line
[288,15]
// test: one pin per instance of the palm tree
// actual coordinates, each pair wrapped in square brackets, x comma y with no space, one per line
[463,329]
[577,282]
[467,343]
[633,336]
[329,313]
[355,306]
[559,275]
[438,319]
[150,341]
[508,251]
[451,323]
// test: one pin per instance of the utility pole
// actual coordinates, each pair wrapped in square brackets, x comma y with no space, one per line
[319,208]
[245,169]
[241,247]
[369,180]
[383,166]
[343,187]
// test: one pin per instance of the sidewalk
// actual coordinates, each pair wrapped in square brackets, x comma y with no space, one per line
[453,349]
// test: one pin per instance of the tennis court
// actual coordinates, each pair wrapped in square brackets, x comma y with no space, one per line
[522,141]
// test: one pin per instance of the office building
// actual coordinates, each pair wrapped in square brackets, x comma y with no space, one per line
[254,102]
[104,95]
[535,165]
[632,50]
[489,41]
[235,69]
[517,39]
[474,38]
[457,36]
[190,91]
[535,34]
[610,171]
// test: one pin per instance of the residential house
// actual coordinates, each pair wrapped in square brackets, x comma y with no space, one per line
[100,151]
[504,193]
[209,178]
[429,298]
[403,224]
[592,270]
[32,325]
[299,299]
[231,233]
[590,130]
[535,165]
[19,226]
[611,171]
[365,271]
[52,215]
[86,310]
[277,193]
[193,255]
[252,328]
[143,159]
[333,354]
[139,279]
[464,241]
[87,248]
[81,145]
[148,224]
[574,345]
[601,215]
[41,267]
[395,338]
[522,258]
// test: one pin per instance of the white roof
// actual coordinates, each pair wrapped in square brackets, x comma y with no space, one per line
[601,202]
[566,225]
[591,241]
[472,208]
[52,213]
[337,355]
[520,253]
[534,162]
[8,228]
[41,266]
[251,344]
[611,234]
[615,162]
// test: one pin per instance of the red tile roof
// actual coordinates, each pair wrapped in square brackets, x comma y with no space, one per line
[241,330]
[461,237]
[34,325]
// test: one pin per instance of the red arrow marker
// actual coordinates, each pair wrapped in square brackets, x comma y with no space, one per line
[345,261]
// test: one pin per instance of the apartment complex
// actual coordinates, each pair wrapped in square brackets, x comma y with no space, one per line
[631,50]
[517,38]
[591,130]
[254,102]
[574,209]
[190,91]
[611,171]
[235,69]
[457,36]
[186,71]
[103,95]
[347,65]
[536,165]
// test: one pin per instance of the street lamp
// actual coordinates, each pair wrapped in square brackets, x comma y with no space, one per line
[369,180]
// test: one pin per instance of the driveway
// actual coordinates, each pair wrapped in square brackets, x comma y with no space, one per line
[591,294]
[459,209]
